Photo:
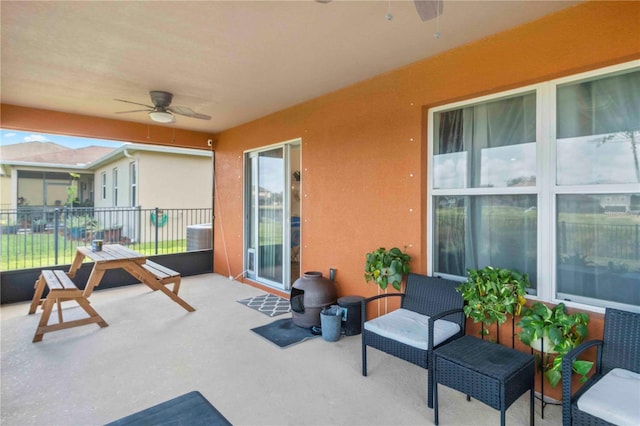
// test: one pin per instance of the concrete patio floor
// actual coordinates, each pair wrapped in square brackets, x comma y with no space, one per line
[153,350]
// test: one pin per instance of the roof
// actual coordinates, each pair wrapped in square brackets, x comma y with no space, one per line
[50,155]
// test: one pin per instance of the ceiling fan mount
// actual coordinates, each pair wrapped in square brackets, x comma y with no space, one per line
[161,99]
[161,111]
[427,9]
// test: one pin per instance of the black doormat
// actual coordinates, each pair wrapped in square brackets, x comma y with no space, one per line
[268,304]
[189,409]
[284,332]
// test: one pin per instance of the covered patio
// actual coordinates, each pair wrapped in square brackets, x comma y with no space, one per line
[153,351]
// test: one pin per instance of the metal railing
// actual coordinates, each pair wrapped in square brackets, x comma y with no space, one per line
[32,237]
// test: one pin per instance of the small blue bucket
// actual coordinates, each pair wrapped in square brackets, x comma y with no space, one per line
[331,323]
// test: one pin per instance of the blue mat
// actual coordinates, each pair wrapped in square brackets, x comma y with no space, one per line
[284,332]
[190,409]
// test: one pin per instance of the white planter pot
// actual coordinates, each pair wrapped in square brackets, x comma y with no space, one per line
[549,347]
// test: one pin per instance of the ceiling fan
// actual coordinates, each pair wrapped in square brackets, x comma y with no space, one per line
[427,9]
[162,111]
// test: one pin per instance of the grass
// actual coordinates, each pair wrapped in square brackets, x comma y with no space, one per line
[22,251]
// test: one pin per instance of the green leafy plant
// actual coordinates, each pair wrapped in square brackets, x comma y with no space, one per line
[562,330]
[386,267]
[72,190]
[84,221]
[492,293]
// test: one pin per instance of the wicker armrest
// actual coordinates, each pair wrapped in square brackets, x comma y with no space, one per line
[567,363]
[447,313]
[575,352]
[432,320]
[380,296]
[364,302]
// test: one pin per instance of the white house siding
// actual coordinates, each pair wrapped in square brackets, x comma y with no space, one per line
[174,181]
[6,199]
[168,181]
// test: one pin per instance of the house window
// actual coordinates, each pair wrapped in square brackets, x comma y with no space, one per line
[115,186]
[103,185]
[133,176]
[91,199]
[545,180]
[597,189]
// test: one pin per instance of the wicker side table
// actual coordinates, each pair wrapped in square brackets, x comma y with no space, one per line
[491,373]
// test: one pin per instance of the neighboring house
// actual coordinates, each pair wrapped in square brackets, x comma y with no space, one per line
[37,174]
[152,176]
[134,177]
[148,177]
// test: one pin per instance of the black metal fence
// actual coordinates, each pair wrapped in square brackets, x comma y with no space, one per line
[36,237]
[582,243]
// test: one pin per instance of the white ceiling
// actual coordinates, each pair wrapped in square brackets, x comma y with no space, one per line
[233,60]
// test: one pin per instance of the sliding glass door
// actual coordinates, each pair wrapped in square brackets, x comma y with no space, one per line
[272,215]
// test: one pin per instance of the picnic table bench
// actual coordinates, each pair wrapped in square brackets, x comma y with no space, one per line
[61,288]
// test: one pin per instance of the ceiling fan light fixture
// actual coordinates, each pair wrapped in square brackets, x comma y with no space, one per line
[162,116]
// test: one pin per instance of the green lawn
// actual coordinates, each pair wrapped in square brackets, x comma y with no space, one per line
[22,251]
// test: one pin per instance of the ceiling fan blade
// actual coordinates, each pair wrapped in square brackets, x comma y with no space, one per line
[135,110]
[188,112]
[135,103]
[429,9]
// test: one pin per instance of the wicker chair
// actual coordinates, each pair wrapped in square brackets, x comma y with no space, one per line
[619,348]
[431,297]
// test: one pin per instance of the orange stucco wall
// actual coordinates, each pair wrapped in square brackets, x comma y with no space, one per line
[364,147]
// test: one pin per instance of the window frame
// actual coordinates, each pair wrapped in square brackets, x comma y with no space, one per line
[133,177]
[103,184]
[545,188]
[114,176]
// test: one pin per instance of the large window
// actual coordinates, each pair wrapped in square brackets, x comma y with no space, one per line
[545,180]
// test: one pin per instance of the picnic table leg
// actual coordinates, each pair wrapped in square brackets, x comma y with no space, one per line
[176,285]
[47,306]
[94,280]
[37,296]
[150,280]
[77,263]
[84,304]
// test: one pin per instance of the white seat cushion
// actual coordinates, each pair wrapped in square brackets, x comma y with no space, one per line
[614,398]
[410,327]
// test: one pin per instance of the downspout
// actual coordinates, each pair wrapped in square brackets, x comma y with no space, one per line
[139,227]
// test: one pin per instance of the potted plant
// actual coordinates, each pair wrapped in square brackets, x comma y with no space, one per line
[386,267]
[491,293]
[554,331]
[10,227]
[38,225]
[76,227]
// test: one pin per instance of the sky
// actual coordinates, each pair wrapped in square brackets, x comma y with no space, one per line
[584,160]
[10,137]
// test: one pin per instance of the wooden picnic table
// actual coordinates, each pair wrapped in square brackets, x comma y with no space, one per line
[114,256]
